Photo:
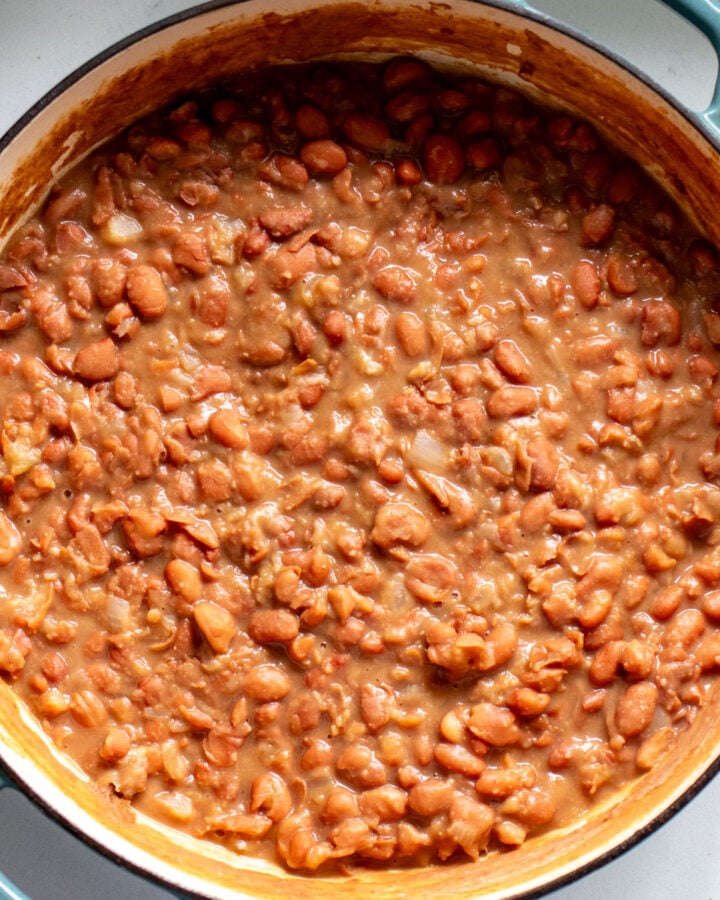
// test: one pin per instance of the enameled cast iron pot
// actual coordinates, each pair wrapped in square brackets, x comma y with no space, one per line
[507,41]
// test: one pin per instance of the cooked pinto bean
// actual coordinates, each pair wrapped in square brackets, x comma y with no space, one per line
[635,709]
[146,291]
[509,402]
[400,523]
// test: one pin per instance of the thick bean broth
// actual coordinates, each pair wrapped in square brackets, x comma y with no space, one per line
[359,467]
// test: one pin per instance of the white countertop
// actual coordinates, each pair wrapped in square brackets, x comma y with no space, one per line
[41,41]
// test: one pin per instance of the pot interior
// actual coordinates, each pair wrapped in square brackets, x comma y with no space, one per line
[222,43]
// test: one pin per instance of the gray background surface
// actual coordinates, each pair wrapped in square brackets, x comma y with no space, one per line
[41,41]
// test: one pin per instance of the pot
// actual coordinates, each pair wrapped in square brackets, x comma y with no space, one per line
[508,42]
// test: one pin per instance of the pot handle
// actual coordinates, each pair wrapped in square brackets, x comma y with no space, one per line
[8,891]
[705,16]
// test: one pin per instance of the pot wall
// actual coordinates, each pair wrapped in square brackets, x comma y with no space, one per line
[521,54]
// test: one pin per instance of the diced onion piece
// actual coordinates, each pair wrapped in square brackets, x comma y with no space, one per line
[117,614]
[121,229]
[19,454]
[426,452]
[174,805]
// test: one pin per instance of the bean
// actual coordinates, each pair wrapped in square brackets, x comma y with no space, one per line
[429,577]
[512,362]
[116,745]
[536,513]
[360,765]
[484,154]
[398,523]
[383,804]
[531,807]
[283,221]
[273,625]
[285,171]
[376,706]
[395,283]
[340,804]
[411,334]
[88,709]
[184,580]
[710,604]
[98,361]
[402,72]
[408,172]
[511,402]
[637,659]
[660,323]
[324,157]
[684,628]
[604,666]
[146,291]
[470,824]
[189,251]
[312,122]
[495,725]
[366,131]
[266,683]
[430,797]
[10,540]
[455,758]
[216,623]
[635,709]
[228,428]
[143,530]
[665,603]
[443,159]
[501,783]
[598,224]
[528,702]
[270,795]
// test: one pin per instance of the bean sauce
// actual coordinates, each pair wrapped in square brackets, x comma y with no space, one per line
[360,467]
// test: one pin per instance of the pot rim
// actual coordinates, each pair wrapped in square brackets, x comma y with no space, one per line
[9,777]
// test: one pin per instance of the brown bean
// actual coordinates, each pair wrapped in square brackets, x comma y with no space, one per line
[383,804]
[395,283]
[455,758]
[398,523]
[512,362]
[635,709]
[216,623]
[510,402]
[430,577]
[273,625]
[495,725]
[184,580]
[270,795]
[312,122]
[324,157]
[430,797]
[146,291]
[443,159]
[282,221]
[10,540]
[585,282]
[266,683]
[470,824]
[228,428]
[665,603]
[366,131]
[412,334]
[598,224]
[97,362]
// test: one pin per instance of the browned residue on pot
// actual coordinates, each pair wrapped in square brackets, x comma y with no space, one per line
[490,41]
